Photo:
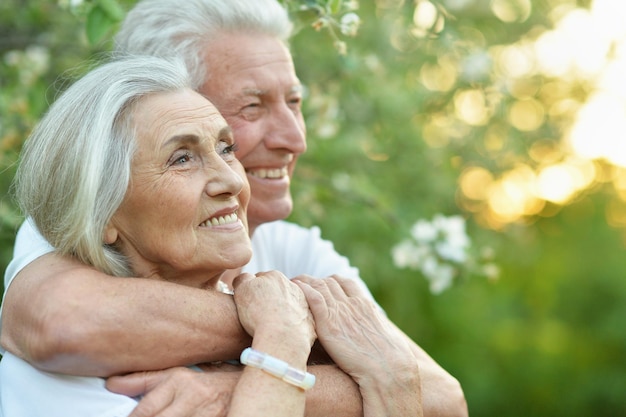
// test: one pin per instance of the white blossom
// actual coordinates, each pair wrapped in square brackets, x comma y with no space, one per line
[349,24]
[352,4]
[341,47]
[453,228]
[451,251]
[491,271]
[443,279]
[404,255]
[430,267]
[424,231]
[439,249]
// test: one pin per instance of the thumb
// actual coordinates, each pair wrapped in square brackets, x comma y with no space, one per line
[241,278]
[135,384]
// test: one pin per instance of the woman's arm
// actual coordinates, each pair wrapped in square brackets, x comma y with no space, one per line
[274,311]
[62,316]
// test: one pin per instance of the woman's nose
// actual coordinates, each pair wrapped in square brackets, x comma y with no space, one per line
[223,180]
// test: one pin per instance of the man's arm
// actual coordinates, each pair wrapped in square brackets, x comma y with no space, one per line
[395,376]
[62,316]
[442,394]
[185,393]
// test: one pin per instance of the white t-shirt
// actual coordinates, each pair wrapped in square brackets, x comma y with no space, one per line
[27,391]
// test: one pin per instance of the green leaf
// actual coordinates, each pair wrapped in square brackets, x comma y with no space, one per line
[335,6]
[98,24]
[112,9]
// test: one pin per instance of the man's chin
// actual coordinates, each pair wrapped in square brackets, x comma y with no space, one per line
[269,211]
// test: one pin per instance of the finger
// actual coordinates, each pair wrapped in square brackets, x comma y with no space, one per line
[155,403]
[304,278]
[316,301]
[151,406]
[272,273]
[239,279]
[350,287]
[322,287]
[335,289]
[133,385]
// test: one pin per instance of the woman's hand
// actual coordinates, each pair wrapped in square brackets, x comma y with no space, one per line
[270,304]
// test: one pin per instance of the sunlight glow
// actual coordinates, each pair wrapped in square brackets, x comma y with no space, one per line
[592,44]
[471,107]
[511,10]
[440,76]
[600,130]
[556,184]
[475,183]
[586,47]
[515,60]
[526,115]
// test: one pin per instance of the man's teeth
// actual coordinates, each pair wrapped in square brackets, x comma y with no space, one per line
[269,173]
[218,221]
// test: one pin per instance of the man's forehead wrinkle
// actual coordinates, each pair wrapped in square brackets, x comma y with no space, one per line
[254,92]
[296,88]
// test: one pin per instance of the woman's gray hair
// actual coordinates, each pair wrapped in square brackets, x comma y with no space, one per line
[185,28]
[75,167]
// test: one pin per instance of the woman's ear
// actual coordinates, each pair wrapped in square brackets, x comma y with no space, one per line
[110,234]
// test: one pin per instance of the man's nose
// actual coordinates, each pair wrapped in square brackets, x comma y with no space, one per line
[287,130]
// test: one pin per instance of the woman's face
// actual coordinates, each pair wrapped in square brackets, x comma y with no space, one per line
[183,217]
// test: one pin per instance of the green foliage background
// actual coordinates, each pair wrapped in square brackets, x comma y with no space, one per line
[548,338]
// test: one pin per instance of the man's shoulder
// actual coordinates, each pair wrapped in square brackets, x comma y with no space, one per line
[284,230]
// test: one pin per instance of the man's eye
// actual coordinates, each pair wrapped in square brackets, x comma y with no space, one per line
[295,103]
[251,111]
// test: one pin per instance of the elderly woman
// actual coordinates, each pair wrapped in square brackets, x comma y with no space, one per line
[133,172]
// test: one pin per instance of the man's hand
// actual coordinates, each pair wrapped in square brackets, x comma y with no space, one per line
[180,392]
[360,339]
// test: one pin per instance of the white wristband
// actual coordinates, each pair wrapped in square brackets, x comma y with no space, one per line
[277,368]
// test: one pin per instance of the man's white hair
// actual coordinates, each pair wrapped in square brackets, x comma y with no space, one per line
[184,29]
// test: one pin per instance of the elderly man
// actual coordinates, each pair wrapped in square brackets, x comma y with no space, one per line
[238,55]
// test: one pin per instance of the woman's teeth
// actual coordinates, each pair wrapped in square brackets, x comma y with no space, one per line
[218,221]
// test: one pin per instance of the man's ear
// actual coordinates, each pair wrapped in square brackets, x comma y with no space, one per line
[110,234]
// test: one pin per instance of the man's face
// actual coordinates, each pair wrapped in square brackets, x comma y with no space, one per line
[253,84]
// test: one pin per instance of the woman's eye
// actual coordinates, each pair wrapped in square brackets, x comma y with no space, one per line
[181,159]
[227,151]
